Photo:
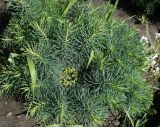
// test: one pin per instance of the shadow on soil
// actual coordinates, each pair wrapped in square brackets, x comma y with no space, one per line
[154,120]
[129,7]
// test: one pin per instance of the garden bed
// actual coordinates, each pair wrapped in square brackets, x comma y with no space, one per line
[10,108]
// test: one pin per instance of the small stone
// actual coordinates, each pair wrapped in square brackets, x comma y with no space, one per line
[9,114]
[157,35]
[116,123]
[144,39]
[155,56]
[19,116]
[6,103]
[153,63]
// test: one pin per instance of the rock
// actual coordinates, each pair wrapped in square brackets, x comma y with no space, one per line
[19,116]
[9,114]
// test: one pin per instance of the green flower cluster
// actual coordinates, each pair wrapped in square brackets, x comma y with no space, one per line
[69,76]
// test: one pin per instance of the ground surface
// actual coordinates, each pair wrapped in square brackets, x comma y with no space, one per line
[10,114]
[9,108]
[152,28]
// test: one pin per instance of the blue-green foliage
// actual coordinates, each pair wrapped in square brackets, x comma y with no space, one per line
[75,64]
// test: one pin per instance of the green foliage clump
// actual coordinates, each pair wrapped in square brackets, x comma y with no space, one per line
[74,63]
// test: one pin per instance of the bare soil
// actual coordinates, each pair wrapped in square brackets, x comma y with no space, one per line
[2,5]
[141,27]
[10,114]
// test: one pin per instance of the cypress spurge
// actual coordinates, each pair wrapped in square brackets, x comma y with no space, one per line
[75,63]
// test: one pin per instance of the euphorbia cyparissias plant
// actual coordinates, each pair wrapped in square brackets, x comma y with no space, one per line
[76,63]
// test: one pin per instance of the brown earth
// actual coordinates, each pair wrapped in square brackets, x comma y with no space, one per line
[2,5]
[10,114]
[134,22]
